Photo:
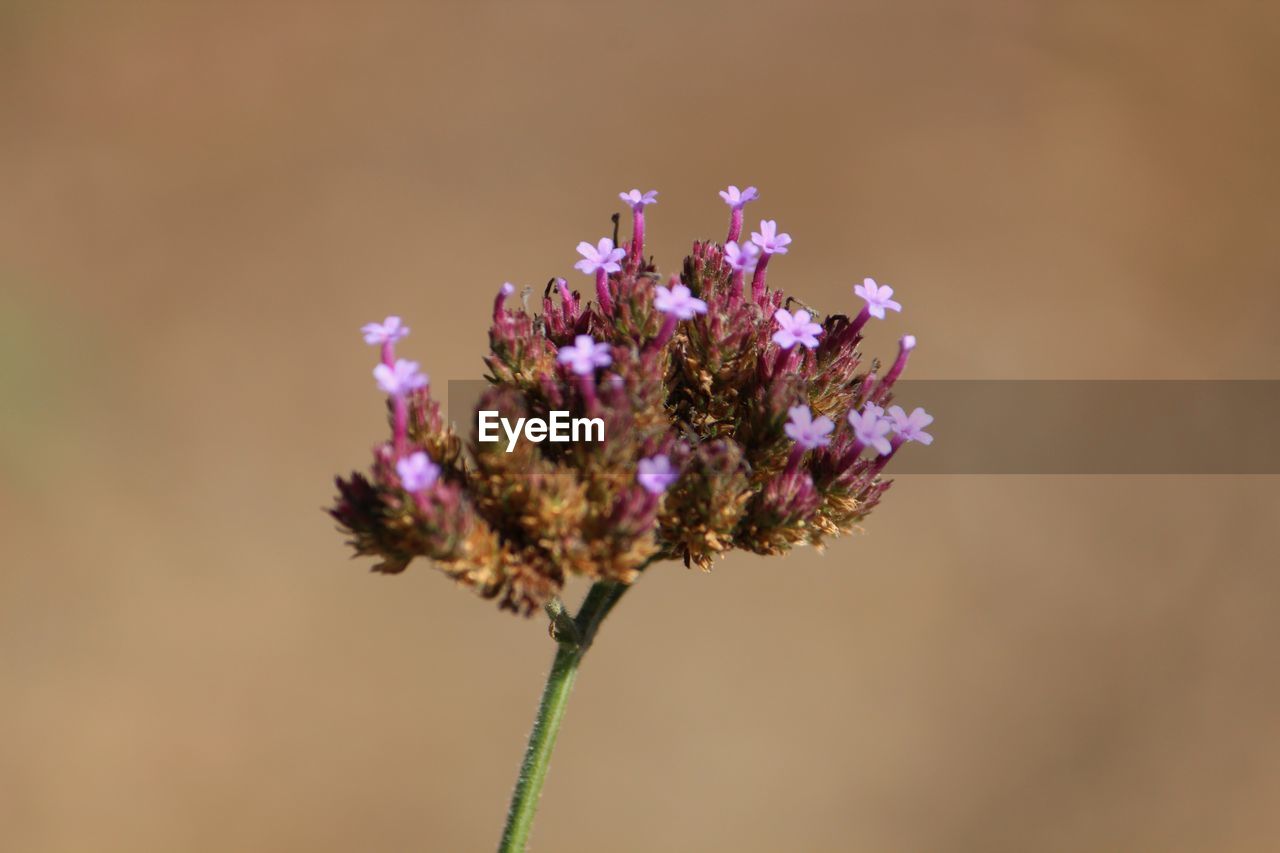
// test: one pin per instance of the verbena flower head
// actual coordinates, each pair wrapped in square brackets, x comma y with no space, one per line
[743,257]
[635,198]
[602,256]
[878,297]
[400,378]
[679,301]
[585,355]
[727,425]
[911,427]
[656,474]
[769,240]
[871,428]
[736,198]
[417,472]
[795,329]
[388,331]
[807,431]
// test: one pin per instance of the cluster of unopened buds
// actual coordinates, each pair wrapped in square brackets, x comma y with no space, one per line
[734,417]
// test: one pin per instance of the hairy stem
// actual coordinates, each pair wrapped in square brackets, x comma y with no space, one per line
[555,697]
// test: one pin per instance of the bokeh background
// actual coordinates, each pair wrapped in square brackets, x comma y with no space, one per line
[201,203]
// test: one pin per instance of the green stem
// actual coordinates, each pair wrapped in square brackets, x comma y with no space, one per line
[555,698]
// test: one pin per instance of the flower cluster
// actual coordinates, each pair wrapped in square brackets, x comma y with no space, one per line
[734,418]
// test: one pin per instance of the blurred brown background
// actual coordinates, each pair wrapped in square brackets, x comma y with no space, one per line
[201,203]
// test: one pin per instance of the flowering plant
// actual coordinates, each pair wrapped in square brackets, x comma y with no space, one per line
[733,418]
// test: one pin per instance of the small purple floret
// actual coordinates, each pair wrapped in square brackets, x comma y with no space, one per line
[388,331]
[656,474]
[635,198]
[736,198]
[602,256]
[400,378]
[585,355]
[878,297]
[911,427]
[807,432]
[769,240]
[741,257]
[678,301]
[417,472]
[795,329]
[871,429]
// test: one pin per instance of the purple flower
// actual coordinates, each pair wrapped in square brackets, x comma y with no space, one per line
[585,355]
[655,474]
[400,378]
[795,329]
[742,258]
[911,427]
[636,199]
[878,298]
[678,301]
[602,256]
[768,238]
[871,429]
[736,198]
[388,331]
[807,432]
[417,472]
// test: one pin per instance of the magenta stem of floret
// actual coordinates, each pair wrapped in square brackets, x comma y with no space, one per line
[389,353]
[785,360]
[793,461]
[668,329]
[894,443]
[860,320]
[587,382]
[735,225]
[602,293]
[899,364]
[498,303]
[420,499]
[851,455]
[757,280]
[401,429]
[637,234]
[566,296]
[845,336]
[736,281]
[868,387]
